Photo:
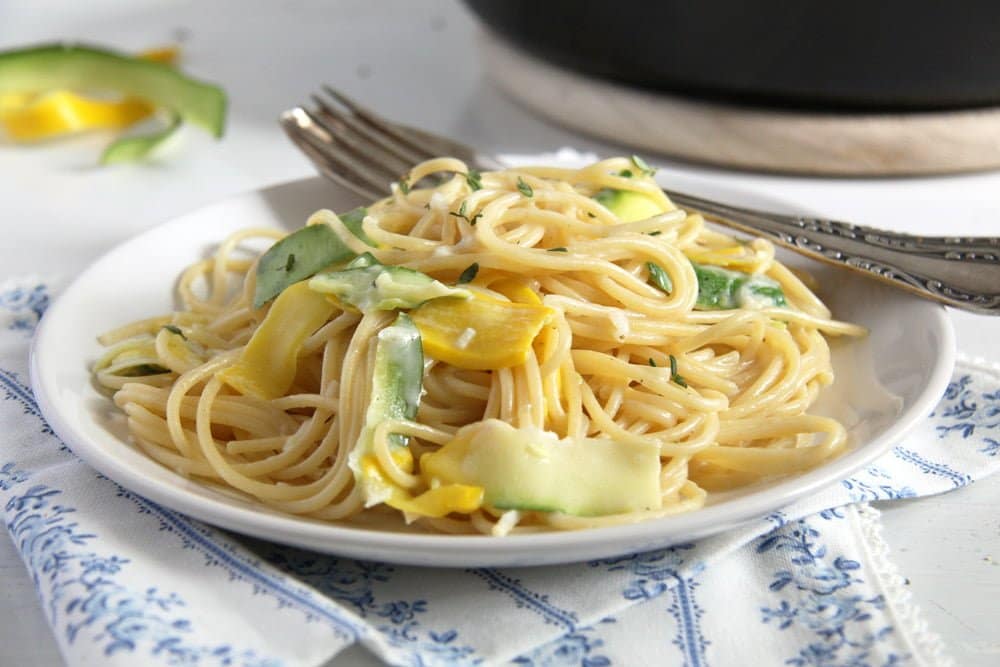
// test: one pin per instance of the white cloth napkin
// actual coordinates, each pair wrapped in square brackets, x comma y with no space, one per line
[125,582]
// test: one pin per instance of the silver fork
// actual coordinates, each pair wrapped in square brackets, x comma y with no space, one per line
[364,152]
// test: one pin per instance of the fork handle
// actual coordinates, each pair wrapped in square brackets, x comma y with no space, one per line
[963,272]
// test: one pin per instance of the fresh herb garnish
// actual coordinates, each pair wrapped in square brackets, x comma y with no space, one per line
[655,233]
[142,370]
[659,277]
[469,274]
[590,215]
[524,188]
[674,376]
[559,249]
[463,214]
[642,166]
[290,262]
[404,184]
[626,173]
[474,179]
[652,362]
[174,329]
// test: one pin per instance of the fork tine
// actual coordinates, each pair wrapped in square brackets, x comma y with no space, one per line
[401,156]
[366,149]
[429,145]
[356,153]
[317,146]
[381,125]
[323,166]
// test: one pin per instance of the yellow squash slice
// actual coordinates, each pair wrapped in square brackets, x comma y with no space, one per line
[479,333]
[266,367]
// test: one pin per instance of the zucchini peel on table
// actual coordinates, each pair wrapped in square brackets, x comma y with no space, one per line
[45,93]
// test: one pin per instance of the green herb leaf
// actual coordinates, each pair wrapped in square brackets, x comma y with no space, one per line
[642,166]
[659,277]
[626,173]
[174,329]
[655,233]
[524,188]
[474,179]
[559,249]
[652,362]
[404,185]
[463,214]
[469,274]
[142,370]
[590,215]
[674,376]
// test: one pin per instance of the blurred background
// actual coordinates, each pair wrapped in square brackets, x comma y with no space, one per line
[426,63]
[860,56]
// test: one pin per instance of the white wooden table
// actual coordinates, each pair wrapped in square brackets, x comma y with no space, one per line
[419,62]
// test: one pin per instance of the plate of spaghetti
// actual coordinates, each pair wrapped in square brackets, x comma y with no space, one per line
[520,367]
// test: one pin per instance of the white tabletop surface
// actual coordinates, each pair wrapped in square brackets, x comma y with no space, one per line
[419,62]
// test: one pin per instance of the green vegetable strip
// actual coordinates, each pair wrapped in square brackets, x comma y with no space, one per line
[399,365]
[58,66]
[397,382]
[367,285]
[363,261]
[353,219]
[769,292]
[716,287]
[314,248]
[723,289]
[606,197]
[659,277]
[131,149]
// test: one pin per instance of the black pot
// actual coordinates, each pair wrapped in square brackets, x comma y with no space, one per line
[875,55]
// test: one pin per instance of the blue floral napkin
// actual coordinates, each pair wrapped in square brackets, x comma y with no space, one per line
[123,581]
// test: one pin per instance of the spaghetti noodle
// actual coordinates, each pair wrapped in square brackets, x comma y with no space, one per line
[512,351]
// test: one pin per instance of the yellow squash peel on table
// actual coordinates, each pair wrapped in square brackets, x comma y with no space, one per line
[29,117]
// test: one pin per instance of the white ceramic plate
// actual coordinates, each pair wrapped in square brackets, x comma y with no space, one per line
[885,385]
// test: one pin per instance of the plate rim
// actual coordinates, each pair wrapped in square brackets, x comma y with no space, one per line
[460,550]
